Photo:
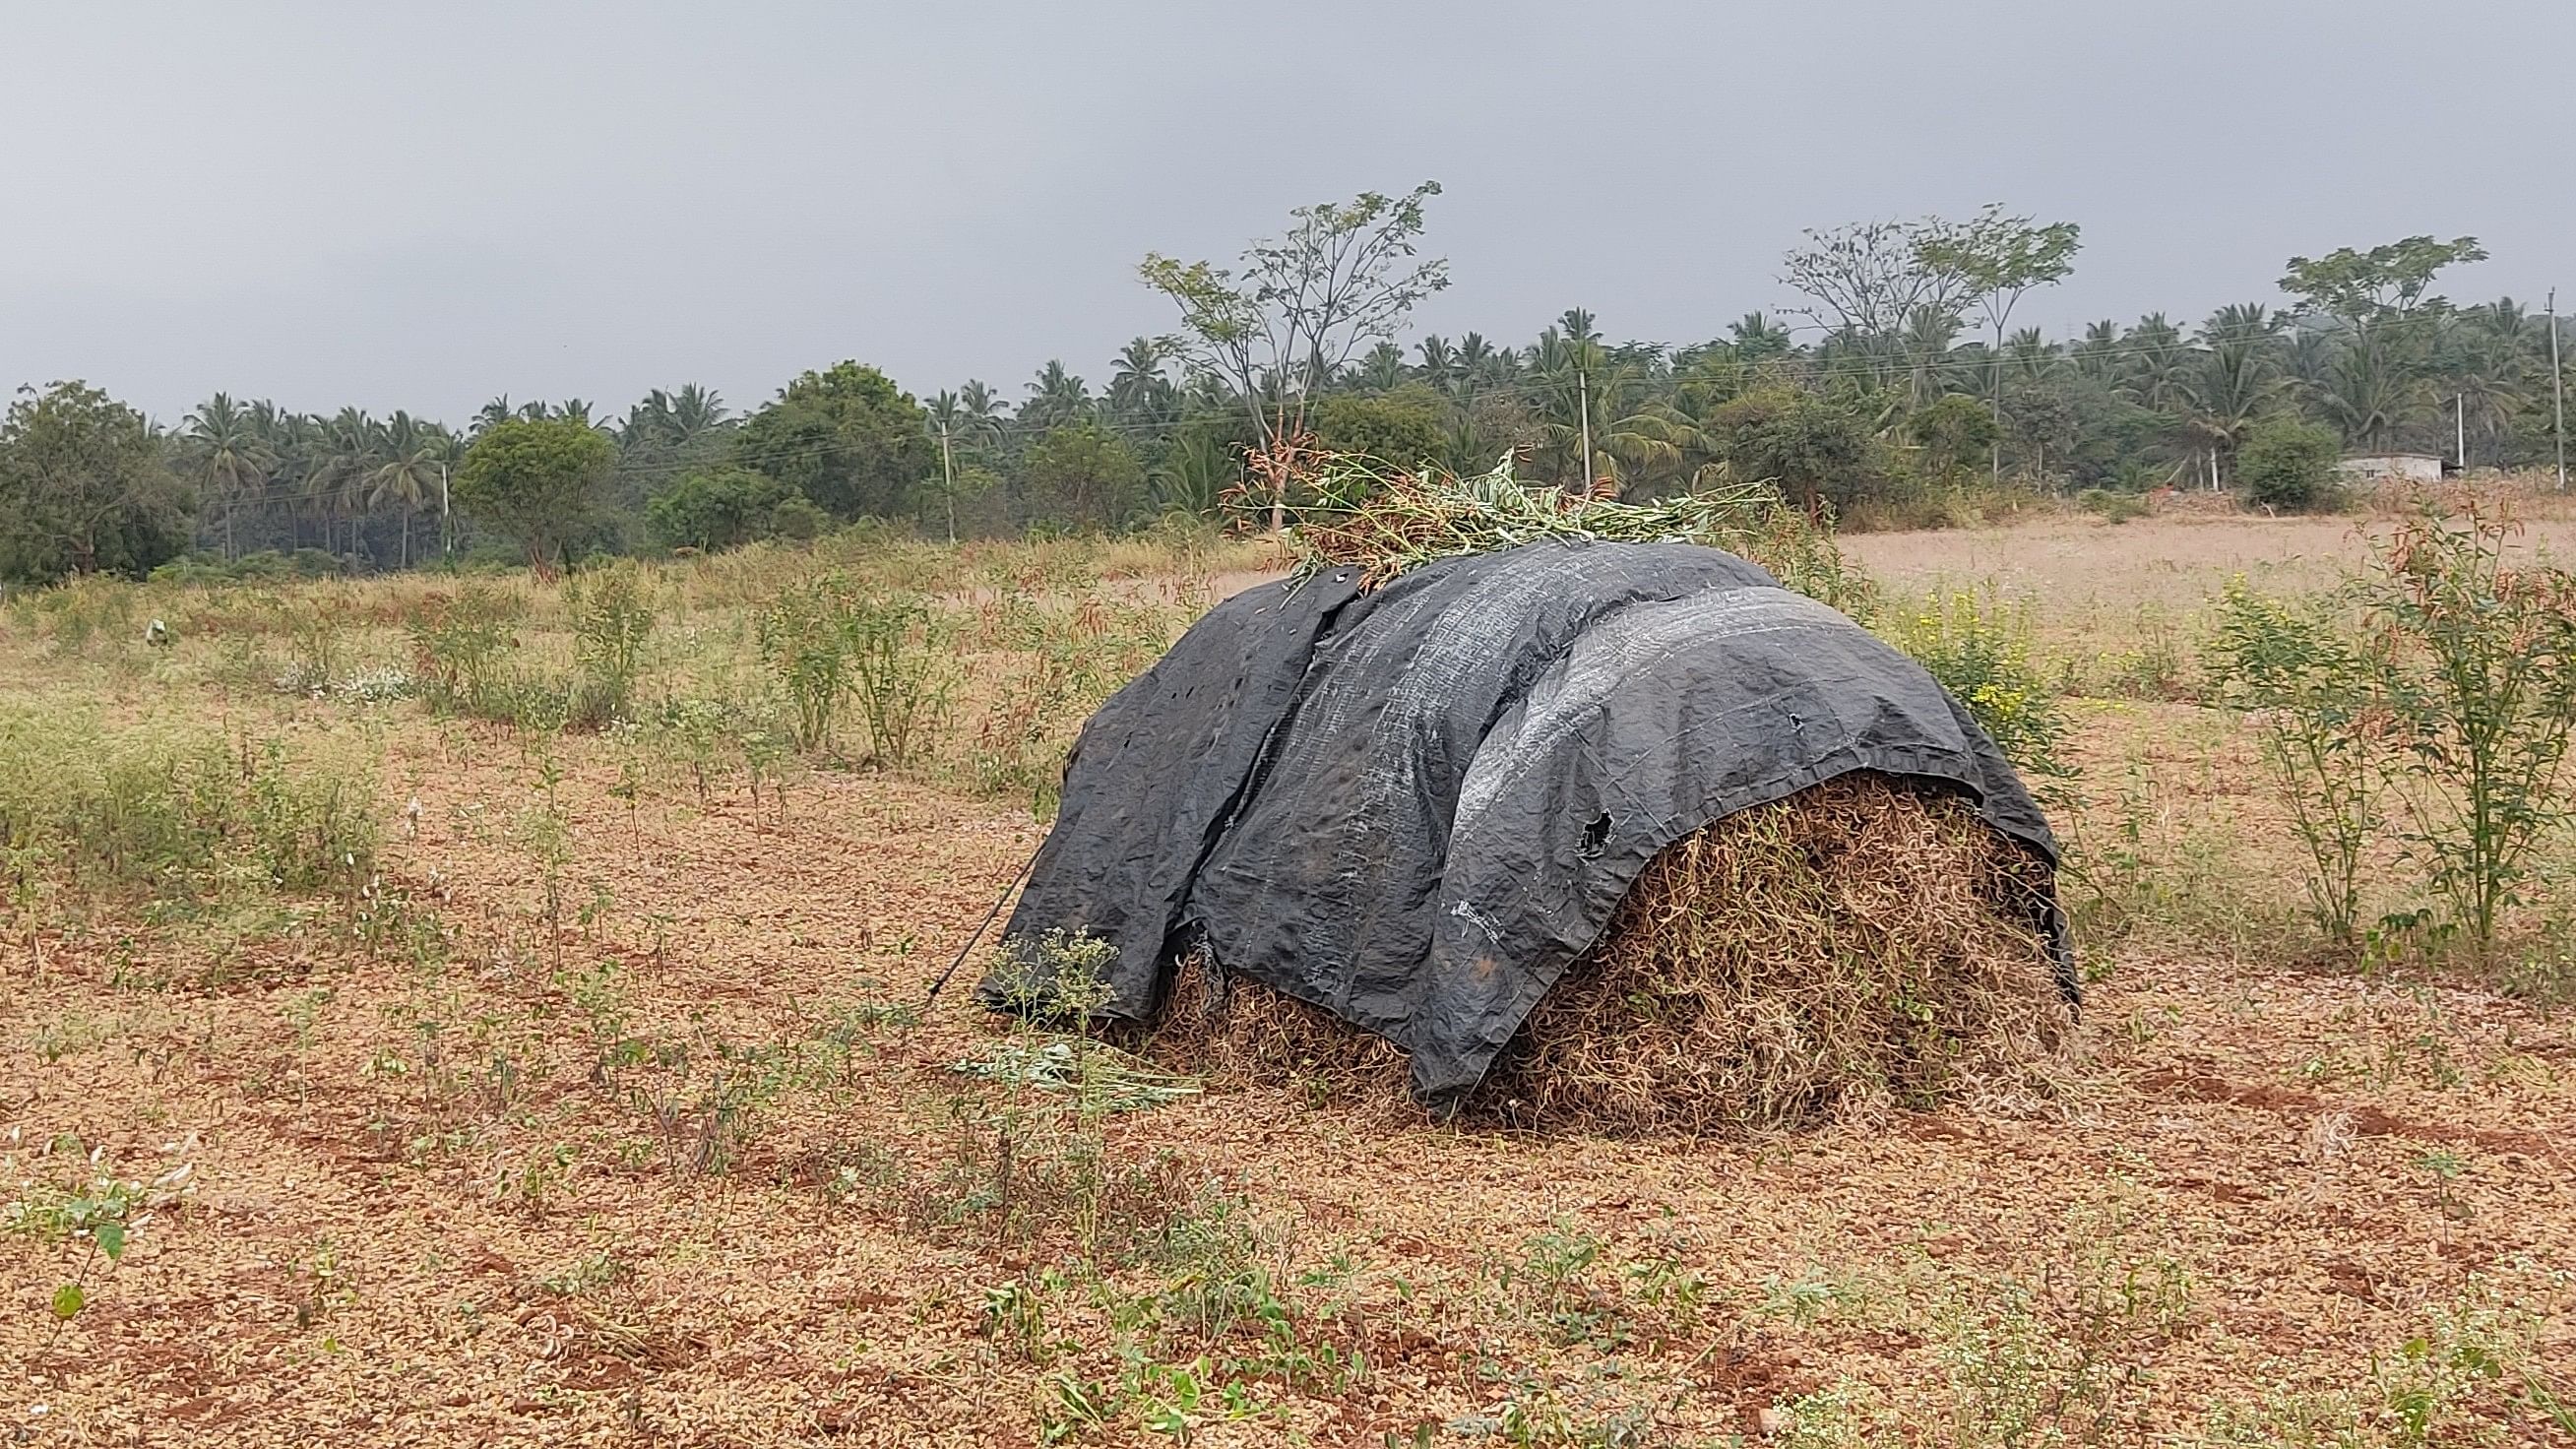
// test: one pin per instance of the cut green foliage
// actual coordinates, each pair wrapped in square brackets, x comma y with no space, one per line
[1104,1078]
[1385,521]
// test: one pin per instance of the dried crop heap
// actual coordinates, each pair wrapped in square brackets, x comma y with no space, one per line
[1545,813]
[1858,946]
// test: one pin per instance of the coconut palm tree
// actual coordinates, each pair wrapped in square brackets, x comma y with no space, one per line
[649,421]
[2491,366]
[2225,390]
[1553,355]
[1930,336]
[414,459]
[1439,363]
[981,407]
[347,451]
[2098,355]
[2367,395]
[1056,396]
[695,412]
[1476,359]
[1758,339]
[2029,356]
[2155,363]
[1194,473]
[281,436]
[1138,390]
[231,456]
[2243,322]
[946,419]
[1381,369]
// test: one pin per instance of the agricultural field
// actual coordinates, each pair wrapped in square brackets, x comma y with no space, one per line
[493,1010]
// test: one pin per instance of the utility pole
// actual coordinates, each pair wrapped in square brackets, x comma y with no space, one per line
[2460,422]
[446,533]
[2558,389]
[1583,402]
[948,481]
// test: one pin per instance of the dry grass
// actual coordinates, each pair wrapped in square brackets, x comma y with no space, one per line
[2174,560]
[1830,957]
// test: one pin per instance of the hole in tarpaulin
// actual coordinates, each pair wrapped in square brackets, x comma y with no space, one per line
[1595,836]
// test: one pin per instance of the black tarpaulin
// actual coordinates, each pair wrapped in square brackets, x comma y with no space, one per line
[1416,807]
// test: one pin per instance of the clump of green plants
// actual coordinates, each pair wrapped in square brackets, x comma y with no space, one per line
[458,641]
[828,643]
[2481,677]
[804,640]
[172,816]
[899,686]
[612,619]
[2444,678]
[2312,691]
[1979,648]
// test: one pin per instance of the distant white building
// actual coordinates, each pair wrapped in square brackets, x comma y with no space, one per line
[2409,467]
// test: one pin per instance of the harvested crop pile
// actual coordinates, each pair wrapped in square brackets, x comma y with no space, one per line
[1859,945]
[1419,806]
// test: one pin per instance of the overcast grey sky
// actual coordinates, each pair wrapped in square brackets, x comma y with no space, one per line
[427,204]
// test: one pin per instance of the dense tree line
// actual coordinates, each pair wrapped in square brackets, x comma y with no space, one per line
[1896,377]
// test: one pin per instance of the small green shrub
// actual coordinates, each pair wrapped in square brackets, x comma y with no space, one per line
[456,640]
[612,618]
[2287,464]
[828,642]
[804,640]
[896,674]
[1979,648]
[2481,679]
[2313,695]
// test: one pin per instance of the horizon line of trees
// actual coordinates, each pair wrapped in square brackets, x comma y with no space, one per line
[1905,378]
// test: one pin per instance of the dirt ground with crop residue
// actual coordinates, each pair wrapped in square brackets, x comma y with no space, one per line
[613,1114]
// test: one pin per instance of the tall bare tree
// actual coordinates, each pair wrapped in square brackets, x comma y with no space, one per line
[1283,323]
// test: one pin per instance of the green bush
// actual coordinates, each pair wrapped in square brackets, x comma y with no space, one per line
[722,507]
[1979,649]
[827,642]
[803,639]
[2287,464]
[2481,681]
[612,617]
[1816,449]
[2313,691]
[456,641]
[2454,689]
[896,673]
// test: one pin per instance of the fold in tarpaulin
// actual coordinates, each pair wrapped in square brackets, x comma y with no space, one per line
[1415,807]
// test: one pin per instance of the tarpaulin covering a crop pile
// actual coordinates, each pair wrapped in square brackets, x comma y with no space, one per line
[1416,806]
